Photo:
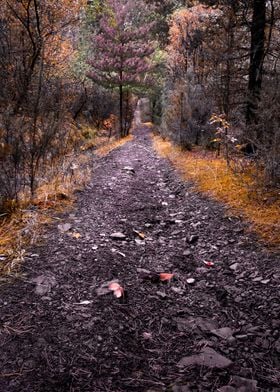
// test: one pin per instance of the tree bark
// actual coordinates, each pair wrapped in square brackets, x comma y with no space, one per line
[257,55]
[121,110]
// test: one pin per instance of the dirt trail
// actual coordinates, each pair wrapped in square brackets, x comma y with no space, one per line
[52,342]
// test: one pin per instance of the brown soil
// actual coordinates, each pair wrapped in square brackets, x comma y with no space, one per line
[49,341]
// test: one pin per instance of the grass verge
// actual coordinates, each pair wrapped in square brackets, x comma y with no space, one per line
[56,194]
[112,145]
[211,175]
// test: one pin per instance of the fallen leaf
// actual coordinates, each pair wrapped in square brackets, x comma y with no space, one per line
[140,235]
[119,293]
[83,303]
[165,276]
[209,263]
[118,252]
[117,289]
[76,235]
[114,286]
[147,335]
[64,227]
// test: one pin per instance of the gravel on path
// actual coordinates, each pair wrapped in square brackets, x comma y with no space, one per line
[214,326]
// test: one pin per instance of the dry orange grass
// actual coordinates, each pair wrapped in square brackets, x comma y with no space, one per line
[110,146]
[211,175]
[26,225]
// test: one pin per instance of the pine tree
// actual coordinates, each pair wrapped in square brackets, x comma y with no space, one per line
[122,48]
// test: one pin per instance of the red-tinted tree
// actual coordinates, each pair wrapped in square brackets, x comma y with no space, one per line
[122,49]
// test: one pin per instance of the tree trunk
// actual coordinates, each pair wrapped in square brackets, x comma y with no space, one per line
[256,59]
[121,110]
[229,62]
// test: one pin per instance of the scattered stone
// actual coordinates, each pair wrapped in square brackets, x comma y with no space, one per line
[129,169]
[191,323]
[118,236]
[143,271]
[64,227]
[241,337]
[222,296]
[94,330]
[265,281]
[258,279]
[240,384]
[175,233]
[44,284]
[224,333]
[193,239]
[238,299]
[207,357]
[190,280]
[187,252]
[177,290]
[234,267]
[139,242]
[201,270]
[277,345]
[181,388]
[161,294]
[113,250]
[147,335]
[83,303]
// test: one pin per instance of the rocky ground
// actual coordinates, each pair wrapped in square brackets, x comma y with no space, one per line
[214,326]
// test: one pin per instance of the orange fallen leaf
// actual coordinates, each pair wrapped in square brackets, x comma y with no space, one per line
[165,276]
[140,235]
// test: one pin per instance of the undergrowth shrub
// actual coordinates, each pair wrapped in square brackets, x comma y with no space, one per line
[186,113]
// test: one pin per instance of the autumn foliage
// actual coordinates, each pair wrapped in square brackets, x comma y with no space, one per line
[120,52]
[219,63]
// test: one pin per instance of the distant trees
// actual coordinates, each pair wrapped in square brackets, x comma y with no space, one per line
[35,46]
[223,57]
[121,52]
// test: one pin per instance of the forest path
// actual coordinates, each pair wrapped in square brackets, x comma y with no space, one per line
[52,342]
